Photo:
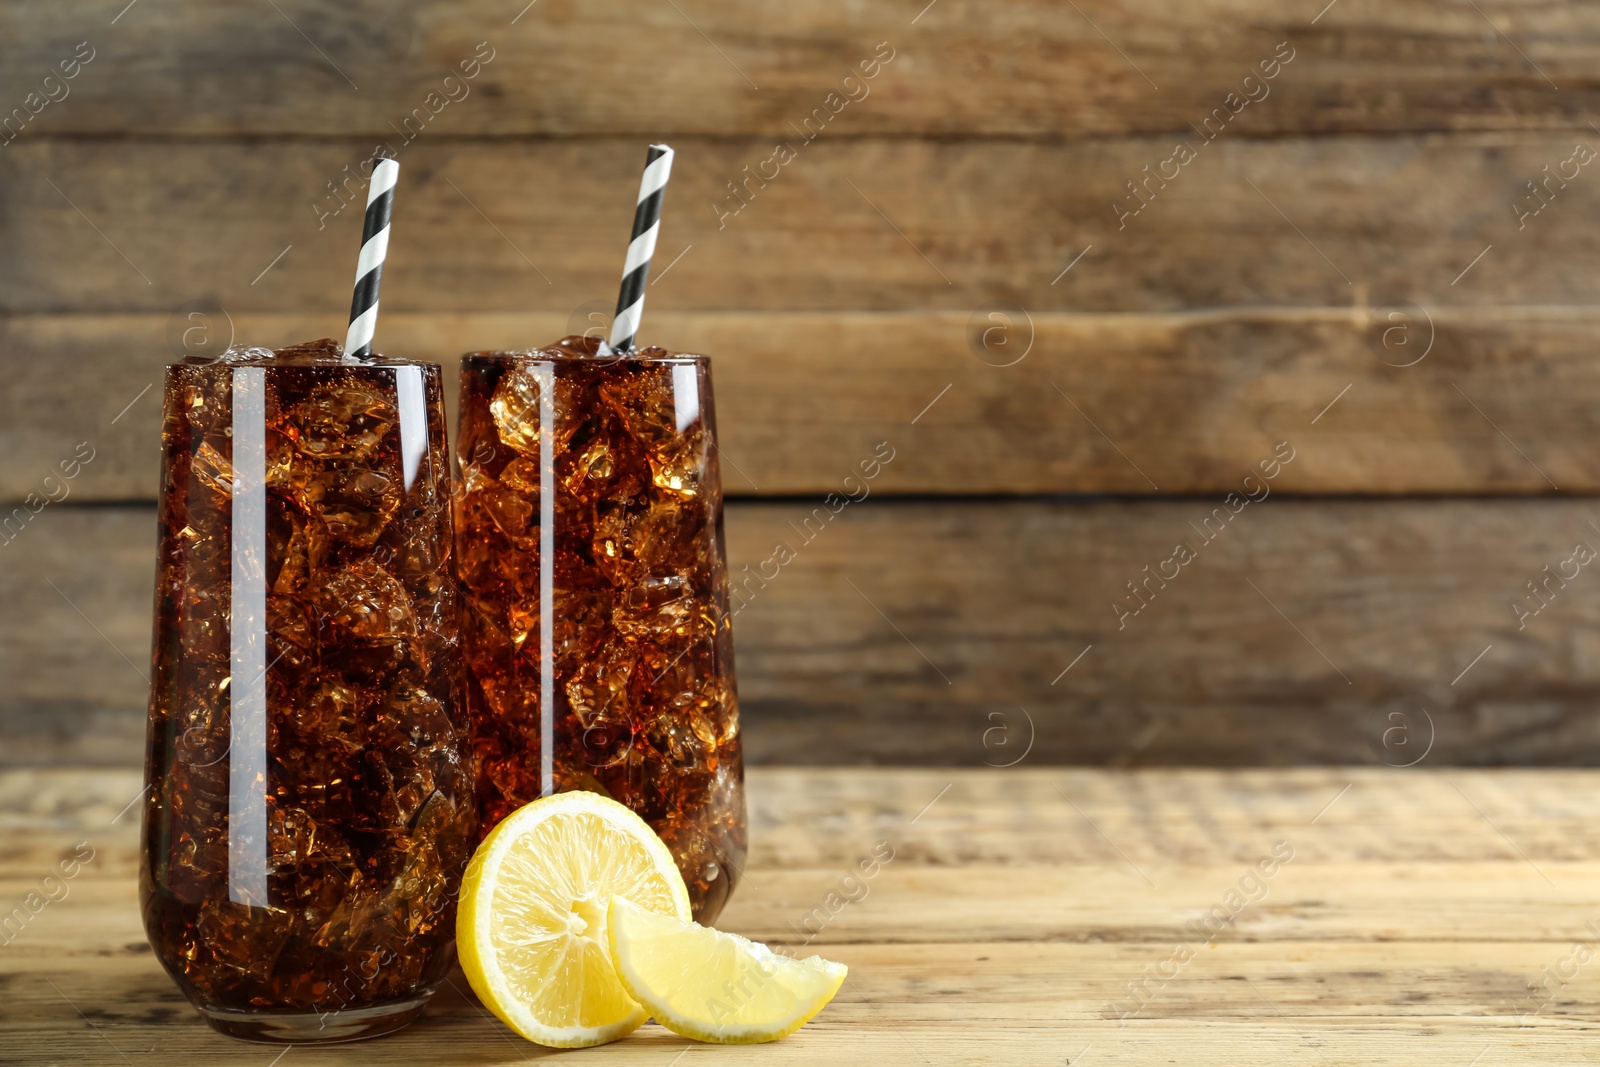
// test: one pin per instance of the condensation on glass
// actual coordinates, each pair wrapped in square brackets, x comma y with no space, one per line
[310,807]
[596,628]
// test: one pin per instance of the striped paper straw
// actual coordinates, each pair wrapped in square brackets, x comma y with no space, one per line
[369,267]
[646,225]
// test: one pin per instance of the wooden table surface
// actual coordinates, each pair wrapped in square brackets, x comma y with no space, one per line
[1414,916]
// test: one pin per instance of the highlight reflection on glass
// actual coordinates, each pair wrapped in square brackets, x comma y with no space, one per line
[247,676]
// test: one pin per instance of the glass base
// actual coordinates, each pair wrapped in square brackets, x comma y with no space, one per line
[351,1024]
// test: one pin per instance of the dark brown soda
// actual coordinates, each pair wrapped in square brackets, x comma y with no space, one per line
[640,644]
[324,907]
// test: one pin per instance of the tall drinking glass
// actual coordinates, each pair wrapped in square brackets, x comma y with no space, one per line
[596,627]
[310,807]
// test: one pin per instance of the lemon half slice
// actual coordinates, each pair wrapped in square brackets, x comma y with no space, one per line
[715,986]
[531,931]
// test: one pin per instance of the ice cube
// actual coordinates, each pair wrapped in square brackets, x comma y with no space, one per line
[598,689]
[214,471]
[355,503]
[436,850]
[294,635]
[196,865]
[644,535]
[674,737]
[581,618]
[517,413]
[367,602]
[396,782]
[242,355]
[288,548]
[247,939]
[346,419]
[322,350]
[415,719]
[654,608]
[522,475]
[604,467]
[289,833]
[648,406]
[512,514]
[329,717]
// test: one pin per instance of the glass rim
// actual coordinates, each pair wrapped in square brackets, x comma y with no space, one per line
[534,356]
[378,362]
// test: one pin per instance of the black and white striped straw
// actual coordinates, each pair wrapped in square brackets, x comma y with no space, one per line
[369,267]
[646,225]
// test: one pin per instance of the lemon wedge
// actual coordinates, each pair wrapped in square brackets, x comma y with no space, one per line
[531,930]
[714,986]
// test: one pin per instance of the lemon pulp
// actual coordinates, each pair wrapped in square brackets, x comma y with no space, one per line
[711,985]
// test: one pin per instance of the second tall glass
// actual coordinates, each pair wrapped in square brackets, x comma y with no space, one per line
[596,627]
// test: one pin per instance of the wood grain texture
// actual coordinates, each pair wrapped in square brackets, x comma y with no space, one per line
[1096,404]
[1019,68]
[1413,922]
[199,161]
[880,224]
[950,633]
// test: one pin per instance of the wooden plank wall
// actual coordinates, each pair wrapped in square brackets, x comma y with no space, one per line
[1084,267]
